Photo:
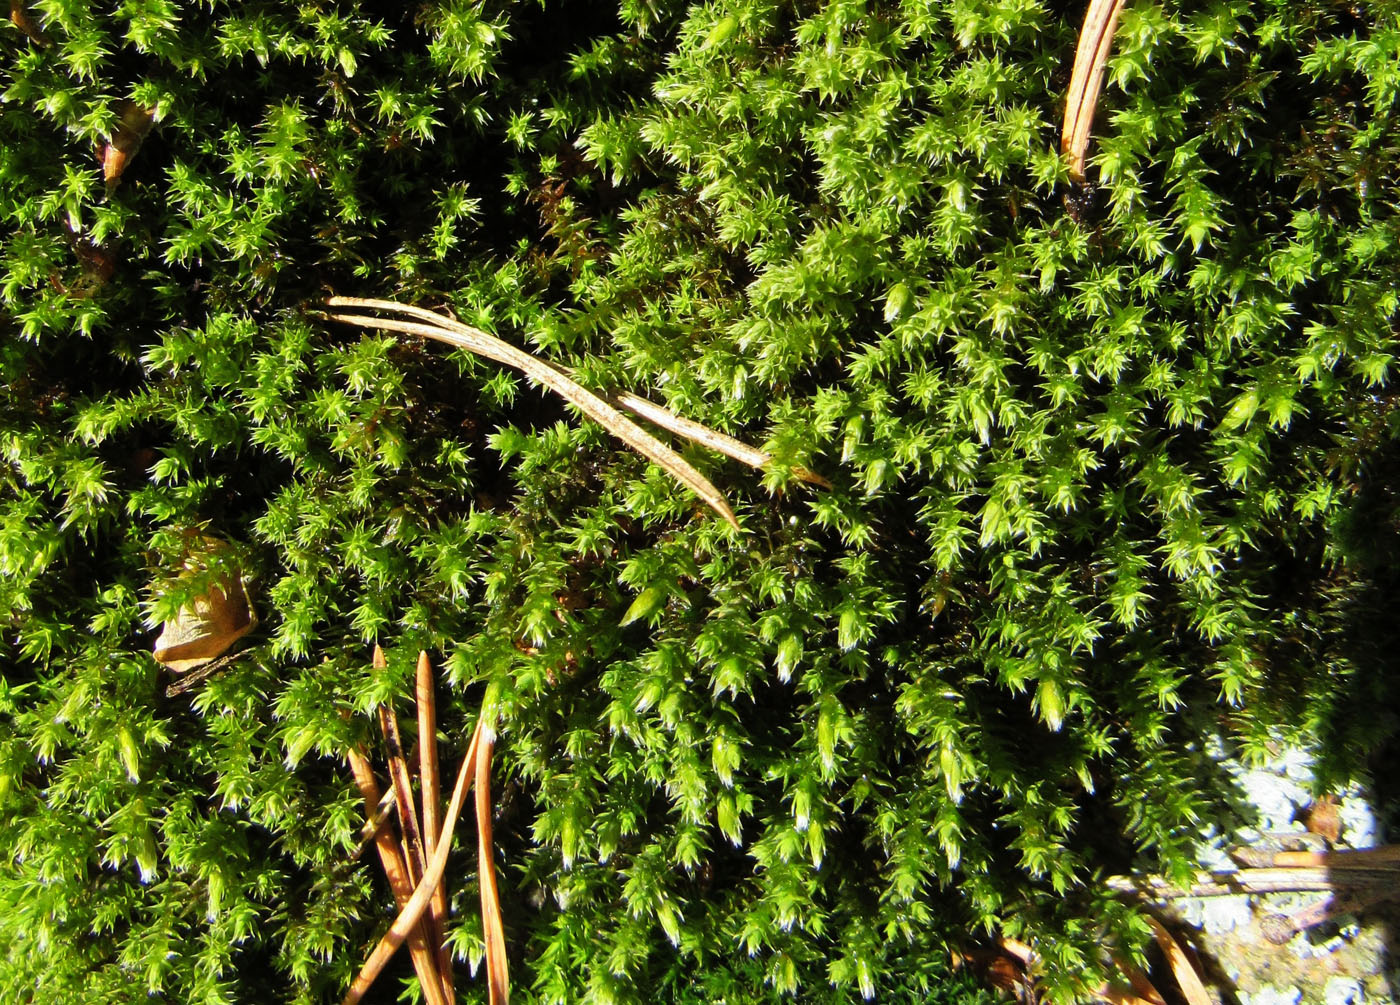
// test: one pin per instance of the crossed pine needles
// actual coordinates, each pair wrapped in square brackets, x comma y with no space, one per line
[414,863]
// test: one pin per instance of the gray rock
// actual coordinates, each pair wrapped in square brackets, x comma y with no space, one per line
[1343,991]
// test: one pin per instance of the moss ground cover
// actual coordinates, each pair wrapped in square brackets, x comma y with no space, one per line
[1113,467]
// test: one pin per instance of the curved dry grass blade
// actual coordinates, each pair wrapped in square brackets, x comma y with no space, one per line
[432,804]
[1090,61]
[412,911]
[1186,977]
[703,435]
[443,329]
[396,871]
[493,929]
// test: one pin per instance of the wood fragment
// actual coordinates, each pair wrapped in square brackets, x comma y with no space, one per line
[412,911]
[453,332]
[1280,928]
[1090,61]
[431,796]
[1386,856]
[396,871]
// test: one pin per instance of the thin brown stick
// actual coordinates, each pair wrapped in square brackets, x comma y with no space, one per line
[1090,61]
[412,911]
[453,332]
[704,435]
[1386,856]
[431,796]
[1249,882]
[396,871]
[493,929]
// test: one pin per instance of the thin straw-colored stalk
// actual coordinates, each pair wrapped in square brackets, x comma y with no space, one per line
[412,911]
[396,871]
[453,332]
[703,435]
[431,795]
[493,929]
[1090,61]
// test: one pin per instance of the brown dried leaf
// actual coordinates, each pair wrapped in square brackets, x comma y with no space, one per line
[134,123]
[205,628]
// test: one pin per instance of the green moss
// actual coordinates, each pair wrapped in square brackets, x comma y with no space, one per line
[1101,461]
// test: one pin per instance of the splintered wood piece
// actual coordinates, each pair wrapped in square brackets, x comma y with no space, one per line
[412,911]
[453,332]
[1090,61]
[493,930]
[431,796]
[396,871]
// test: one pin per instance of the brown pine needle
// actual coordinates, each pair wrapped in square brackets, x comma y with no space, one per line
[403,785]
[432,804]
[412,911]
[493,929]
[1186,977]
[1090,61]
[374,823]
[396,871]
[453,332]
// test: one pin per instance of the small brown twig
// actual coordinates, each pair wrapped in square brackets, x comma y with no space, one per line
[1386,856]
[1155,889]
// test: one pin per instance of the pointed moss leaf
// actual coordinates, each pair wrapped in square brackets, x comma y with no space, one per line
[648,602]
[897,301]
[722,32]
